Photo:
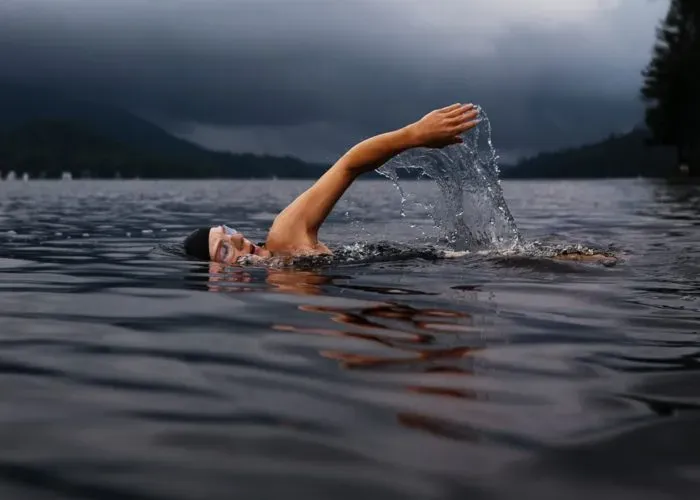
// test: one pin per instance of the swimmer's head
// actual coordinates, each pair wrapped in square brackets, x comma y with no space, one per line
[220,244]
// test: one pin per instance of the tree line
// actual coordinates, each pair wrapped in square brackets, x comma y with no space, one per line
[671,88]
[669,144]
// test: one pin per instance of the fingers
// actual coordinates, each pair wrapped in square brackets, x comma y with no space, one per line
[457,119]
[466,126]
[452,107]
[459,110]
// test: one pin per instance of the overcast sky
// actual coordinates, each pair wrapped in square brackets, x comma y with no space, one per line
[311,77]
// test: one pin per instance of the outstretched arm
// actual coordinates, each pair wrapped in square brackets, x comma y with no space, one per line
[296,227]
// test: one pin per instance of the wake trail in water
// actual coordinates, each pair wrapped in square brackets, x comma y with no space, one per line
[530,253]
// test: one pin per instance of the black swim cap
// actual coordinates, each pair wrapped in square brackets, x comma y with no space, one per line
[197,244]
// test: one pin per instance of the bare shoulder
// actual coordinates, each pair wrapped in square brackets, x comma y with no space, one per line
[285,241]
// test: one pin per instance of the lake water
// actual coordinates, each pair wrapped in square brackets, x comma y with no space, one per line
[128,372]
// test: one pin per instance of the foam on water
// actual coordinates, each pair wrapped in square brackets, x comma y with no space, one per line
[355,253]
[470,211]
[362,253]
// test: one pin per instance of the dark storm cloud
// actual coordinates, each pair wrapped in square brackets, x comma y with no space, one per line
[261,70]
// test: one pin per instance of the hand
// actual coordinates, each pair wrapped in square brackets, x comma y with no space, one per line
[443,127]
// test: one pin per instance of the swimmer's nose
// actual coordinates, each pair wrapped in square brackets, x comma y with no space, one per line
[238,242]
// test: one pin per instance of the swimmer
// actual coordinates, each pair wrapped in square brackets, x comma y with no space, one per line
[295,230]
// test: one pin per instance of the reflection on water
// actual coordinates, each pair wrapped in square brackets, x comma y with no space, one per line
[409,336]
[128,371]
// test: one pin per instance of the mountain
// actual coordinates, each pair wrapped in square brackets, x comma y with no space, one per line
[19,105]
[626,155]
[47,148]
[41,131]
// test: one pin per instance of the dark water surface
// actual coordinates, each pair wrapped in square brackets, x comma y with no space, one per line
[128,372]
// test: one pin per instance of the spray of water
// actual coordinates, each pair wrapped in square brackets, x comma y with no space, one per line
[470,211]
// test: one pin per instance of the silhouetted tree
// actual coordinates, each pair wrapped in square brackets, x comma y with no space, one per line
[671,86]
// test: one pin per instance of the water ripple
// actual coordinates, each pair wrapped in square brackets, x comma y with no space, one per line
[395,370]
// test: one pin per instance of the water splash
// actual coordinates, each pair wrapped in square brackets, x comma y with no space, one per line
[471,212]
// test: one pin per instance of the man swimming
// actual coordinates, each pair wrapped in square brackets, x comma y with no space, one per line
[295,230]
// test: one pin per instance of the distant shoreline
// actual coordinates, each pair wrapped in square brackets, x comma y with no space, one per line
[85,140]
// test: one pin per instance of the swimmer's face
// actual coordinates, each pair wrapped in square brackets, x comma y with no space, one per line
[227,246]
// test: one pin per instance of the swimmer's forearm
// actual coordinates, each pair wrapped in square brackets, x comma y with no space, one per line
[374,152]
[437,129]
